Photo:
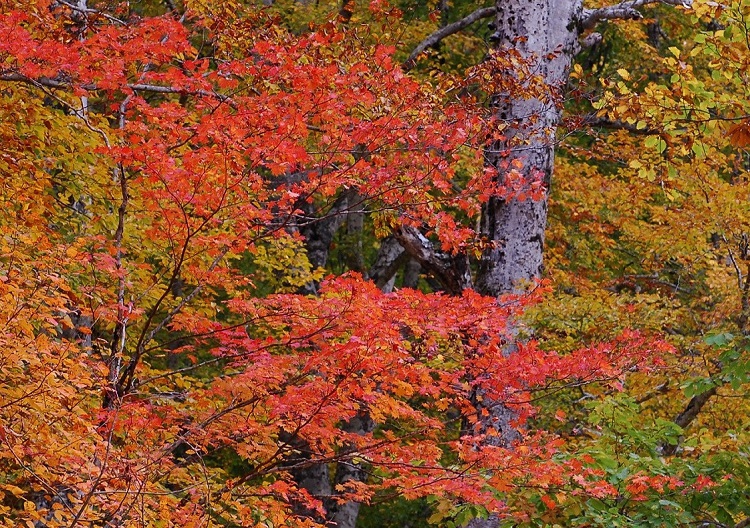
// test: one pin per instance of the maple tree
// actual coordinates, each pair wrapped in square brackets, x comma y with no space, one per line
[174,352]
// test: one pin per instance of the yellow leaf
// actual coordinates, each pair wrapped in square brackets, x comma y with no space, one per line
[15,490]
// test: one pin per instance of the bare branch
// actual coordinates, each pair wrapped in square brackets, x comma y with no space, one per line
[624,11]
[446,31]
[127,378]
[117,346]
[89,87]
[46,82]
[734,262]
[89,11]
[185,300]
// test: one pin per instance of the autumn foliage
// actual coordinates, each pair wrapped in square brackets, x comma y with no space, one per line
[172,352]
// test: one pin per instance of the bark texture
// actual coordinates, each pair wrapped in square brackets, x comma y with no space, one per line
[319,234]
[686,417]
[390,257]
[451,271]
[545,34]
[344,515]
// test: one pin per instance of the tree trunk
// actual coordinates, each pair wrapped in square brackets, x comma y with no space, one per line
[390,257]
[355,223]
[310,476]
[345,515]
[412,269]
[544,33]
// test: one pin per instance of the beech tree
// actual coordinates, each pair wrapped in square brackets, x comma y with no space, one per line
[534,44]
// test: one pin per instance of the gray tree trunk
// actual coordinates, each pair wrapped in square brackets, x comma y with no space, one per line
[355,223]
[309,475]
[390,257]
[545,33]
[345,515]
[412,269]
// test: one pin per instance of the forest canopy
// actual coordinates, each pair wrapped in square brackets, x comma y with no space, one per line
[385,264]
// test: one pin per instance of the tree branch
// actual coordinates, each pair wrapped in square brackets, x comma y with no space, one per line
[624,11]
[88,11]
[594,121]
[90,87]
[446,31]
[452,271]
[691,411]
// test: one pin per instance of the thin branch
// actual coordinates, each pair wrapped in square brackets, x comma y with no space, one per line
[89,11]
[185,300]
[623,11]
[125,383]
[98,479]
[446,31]
[595,121]
[654,279]
[92,87]
[117,347]
[694,407]
[734,262]
[659,389]
[61,84]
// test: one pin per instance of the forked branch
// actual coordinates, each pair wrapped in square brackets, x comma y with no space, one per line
[623,11]
[452,271]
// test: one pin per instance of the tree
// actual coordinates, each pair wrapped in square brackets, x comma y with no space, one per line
[535,46]
[685,114]
[672,230]
[171,181]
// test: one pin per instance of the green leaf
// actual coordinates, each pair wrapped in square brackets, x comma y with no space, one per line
[697,386]
[719,339]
